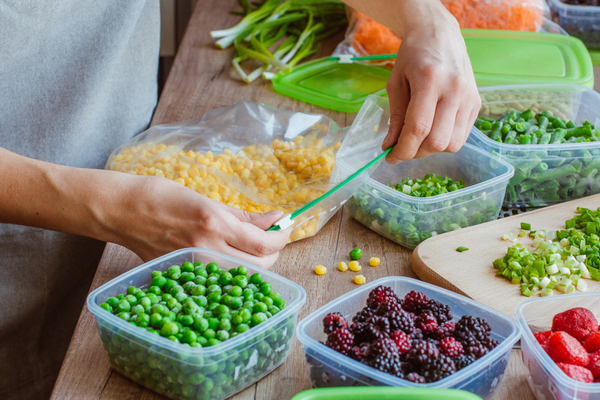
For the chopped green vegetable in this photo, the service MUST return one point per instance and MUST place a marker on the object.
(462, 248)
(525, 226)
(430, 185)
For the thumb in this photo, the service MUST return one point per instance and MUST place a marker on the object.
(262, 221)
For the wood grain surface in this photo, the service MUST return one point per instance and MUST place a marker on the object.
(470, 273)
(202, 79)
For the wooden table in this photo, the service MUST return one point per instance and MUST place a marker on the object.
(202, 79)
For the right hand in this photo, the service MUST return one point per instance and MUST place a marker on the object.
(155, 216)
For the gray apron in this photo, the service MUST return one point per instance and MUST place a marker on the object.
(77, 79)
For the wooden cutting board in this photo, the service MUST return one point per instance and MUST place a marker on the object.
(470, 273)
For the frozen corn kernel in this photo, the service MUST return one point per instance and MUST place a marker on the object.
(374, 261)
(354, 266)
(359, 280)
(342, 266)
(320, 270)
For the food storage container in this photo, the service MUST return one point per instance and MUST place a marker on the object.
(575, 165)
(183, 372)
(328, 368)
(582, 22)
(546, 380)
(384, 392)
(409, 220)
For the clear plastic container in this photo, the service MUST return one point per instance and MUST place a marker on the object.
(583, 22)
(546, 380)
(570, 102)
(170, 368)
(328, 368)
(409, 220)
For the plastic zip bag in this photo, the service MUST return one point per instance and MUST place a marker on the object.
(247, 155)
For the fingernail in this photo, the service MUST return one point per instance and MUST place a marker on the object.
(385, 144)
(393, 161)
(271, 213)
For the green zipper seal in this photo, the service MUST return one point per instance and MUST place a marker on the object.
(367, 58)
(313, 203)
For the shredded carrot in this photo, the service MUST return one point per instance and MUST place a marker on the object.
(368, 37)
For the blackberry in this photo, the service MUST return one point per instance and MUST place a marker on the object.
(414, 377)
(463, 360)
(390, 363)
(377, 327)
(363, 315)
(443, 331)
(380, 295)
(421, 352)
(402, 340)
(415, 301)
(417, 334)
(361, 352)
(333, 321)
(386, 307)
(435, 369)
(382, 346)
(451, 347)
(440, 311)
(401, 320)
(426, 322)
(476, 350)
(359, 330)
(470, 328)
(340, 340)
(490, 343)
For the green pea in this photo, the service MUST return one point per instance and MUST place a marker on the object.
(200, 280)
(241, 328)
(200, 324)
(124, 315)
(258, 318)
(123, 305)
(196, 378)
(221, 309)
(173, 338)
(274, 310)
(187, 277)
(137, 309)
(252, 287)
(236, 291)
(198, 264)
(226, 316)
(241, 281)
(155, 320)
(248, 304)
(248, 294)
(171, 315)
(212, 267)
(277, 300)
(180, 297)
(153, 298)
(112, 301)
(106, 307)
(143, 320)
(237, 319)
(169, 329)
(139, 295)
(198, 290)
(166, 296)
(169, 285)
(214, 289)
(145, 302)
(174, 272)
(241, 270)
(159, 281)
(222, 335)
(226, 299)
(187, 267)
(260, 308)
(132, 290)
(268, 314)
(189, 337)
(207, 385)
(200, 300)
(227, 288)
(155, 274)
(246, 315)
(188, 286)
(209, 333)
(155, 290)
(356, 254)
(212, 342)
(236, 302)
(131, 299)
(213, 323)
(120, 296)
(201, 340)
(224, 324)
(214, 298)
(267, 300)
(212, 306)
(212, 280)
(176, 289)
(225, 279)
(190, 307)
(258, 296)
(172, 303)
(158, 309)
(256, 278)
(186, 320)
(265, 288)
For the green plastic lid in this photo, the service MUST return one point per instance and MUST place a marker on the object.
(384, 393)
(510, 57)
(498, 58)
(595, 55)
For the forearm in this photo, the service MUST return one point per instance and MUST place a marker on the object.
(402, 16)
(56, 197)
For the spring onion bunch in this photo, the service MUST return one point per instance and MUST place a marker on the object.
(279, 34)
(559, 260)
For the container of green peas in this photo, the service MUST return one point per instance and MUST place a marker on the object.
(197, 324)
(549, 133)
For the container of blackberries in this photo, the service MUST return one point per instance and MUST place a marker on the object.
(399, 331)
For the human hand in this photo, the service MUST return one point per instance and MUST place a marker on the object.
(154, 216)
(432, 91)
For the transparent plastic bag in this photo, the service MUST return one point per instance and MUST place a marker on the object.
(247, 155)
(365, 37)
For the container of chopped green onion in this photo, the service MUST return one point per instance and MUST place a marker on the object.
(416, 199)
(549, 133)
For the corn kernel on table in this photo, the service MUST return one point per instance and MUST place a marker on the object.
(202, 79)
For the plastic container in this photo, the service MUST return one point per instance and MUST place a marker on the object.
(383, 393)
(409, 220)
(582, 22)
(328, 368)
(570, 102)
(546, 380)
(165, 366)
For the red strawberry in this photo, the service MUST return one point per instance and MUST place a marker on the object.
(578, 322)
(542, 337)
(564, 348)
(594, 364)
(592, 342)
(576, 372)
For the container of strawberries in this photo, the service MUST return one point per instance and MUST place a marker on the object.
(561, 345)
(399, 331)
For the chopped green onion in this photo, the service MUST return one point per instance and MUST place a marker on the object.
(462, 248)
(525, 226)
